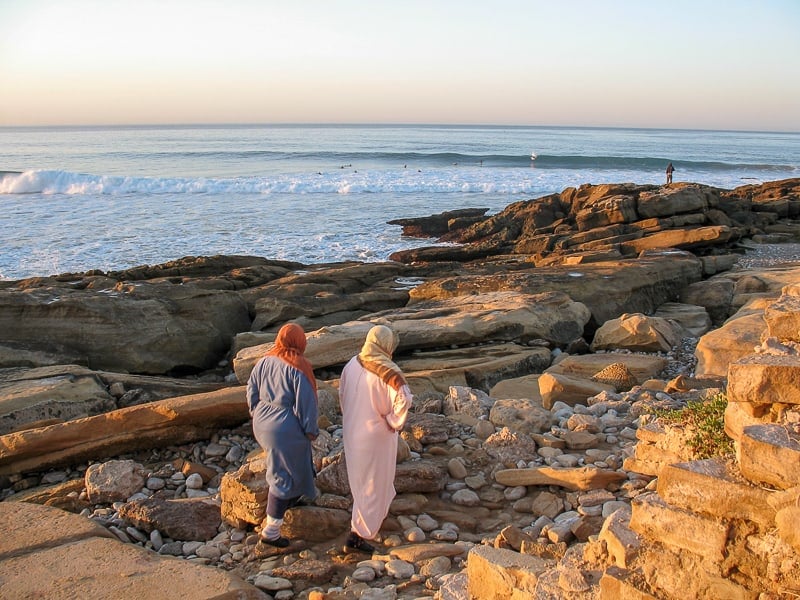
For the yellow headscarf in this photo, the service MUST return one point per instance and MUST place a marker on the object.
(376, 356)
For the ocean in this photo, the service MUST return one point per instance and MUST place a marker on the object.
(109, 198)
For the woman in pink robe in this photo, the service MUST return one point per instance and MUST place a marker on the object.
(374, 399)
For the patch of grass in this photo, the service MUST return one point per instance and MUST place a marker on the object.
(706, 420)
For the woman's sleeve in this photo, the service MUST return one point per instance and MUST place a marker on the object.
(306, 402)
(252, 392)
(401, 403)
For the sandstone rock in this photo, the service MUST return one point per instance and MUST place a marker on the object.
(622, 543)
(182, 519)
(436, 225)
(693, 319)
(178, 327)
(765, 379)
(714, 487)
(328, 294)
(614, 209)
(464, 320)
(615, 584)
(497, 573)
(65, 495)
(113, 480)
(715, 295)
(608, 289)
(770, 454)
(305, 569)
(788, 522)
(739, 415)
(27, 396)
(429, 428)
(580, 478)
(171, 421)
(669, 200)
(683, 239)
(526, 387)
(243, 495)
(508, 446)
(476, 367)
(642, 366)
(655, 520)
(420, 476)
(522, 415)
(638, 333)
(556, 387)
(718, 348)
(315, 523)
(88, 561)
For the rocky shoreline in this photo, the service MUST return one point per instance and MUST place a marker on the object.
(538, 349)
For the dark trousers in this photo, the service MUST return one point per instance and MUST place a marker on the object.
(276, 507)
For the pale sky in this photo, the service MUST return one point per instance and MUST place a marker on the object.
(705, 64)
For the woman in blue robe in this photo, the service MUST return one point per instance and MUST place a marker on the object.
(282, 398)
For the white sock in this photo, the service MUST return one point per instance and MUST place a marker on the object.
(273, 529)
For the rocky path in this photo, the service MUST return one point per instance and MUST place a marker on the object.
(426, 538)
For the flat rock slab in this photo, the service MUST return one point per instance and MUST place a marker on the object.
(577, 479)
(501, 573)
(583, 366)
(418, 552)
(50, 554)
(655, 520)
(171, 421)
(770, 454)
(715, 487)
(30, 527)
(765, 379)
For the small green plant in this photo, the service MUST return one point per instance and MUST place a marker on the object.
(706, 419)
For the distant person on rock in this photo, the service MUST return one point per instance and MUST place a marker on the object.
(375, 400)
(282, 399)
(670, 169)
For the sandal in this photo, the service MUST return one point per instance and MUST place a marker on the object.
(278, 542)
(358, 544)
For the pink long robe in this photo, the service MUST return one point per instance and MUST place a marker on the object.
(372, 414)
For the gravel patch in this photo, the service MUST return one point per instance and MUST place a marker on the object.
(769, 255)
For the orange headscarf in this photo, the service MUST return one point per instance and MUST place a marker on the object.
(290, 344)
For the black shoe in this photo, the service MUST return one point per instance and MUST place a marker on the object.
(278, 542)
(355, 543)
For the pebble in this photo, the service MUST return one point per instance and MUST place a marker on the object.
(364, 573)
(466, 498)
(415, 534)
(399, 569)
(194, 482)
(271, 584)
(427, 523)
(456, 468)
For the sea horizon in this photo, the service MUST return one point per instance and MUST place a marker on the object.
(385, 124)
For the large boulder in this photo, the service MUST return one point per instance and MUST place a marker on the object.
(36, 395)
(153, 328)
(718, 348)
(638, 333)
(676, 199)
